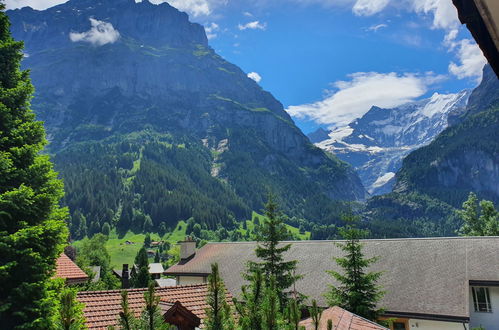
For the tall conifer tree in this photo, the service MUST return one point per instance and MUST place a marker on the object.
(32, 227)
(218, 314)
(272, 231)
(358, 291)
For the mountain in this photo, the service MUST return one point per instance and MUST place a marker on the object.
(149, 126)
(464, 157)
(377, 143)
(318, 135)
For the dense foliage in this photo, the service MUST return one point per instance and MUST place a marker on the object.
(479, 219)
(32, 227)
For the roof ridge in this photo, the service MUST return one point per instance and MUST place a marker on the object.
(82, 293)
(370, 240)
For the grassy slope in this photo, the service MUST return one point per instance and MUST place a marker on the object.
(122, 253)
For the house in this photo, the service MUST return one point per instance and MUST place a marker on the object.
(341, 319)
(68, 270)
(482, 19)
(164, 282)
(155, 270)
(183, 306)
(430, 283)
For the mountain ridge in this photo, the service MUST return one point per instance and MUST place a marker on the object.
(145, 134)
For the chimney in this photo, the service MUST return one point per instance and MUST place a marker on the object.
(125, 277)
(187, 248)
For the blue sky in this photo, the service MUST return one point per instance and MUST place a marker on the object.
(329, 61)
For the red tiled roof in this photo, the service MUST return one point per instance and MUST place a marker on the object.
(67, 269)
(102, 308)
(342, 320)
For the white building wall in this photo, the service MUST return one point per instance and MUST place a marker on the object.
(190, 280)
(435, 325)
(490, 321)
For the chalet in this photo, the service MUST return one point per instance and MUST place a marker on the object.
(68, 270)
(182, 306)
(430, 283)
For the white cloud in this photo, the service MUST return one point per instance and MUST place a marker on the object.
(211, 30)
(471, 61)
(255, 25)
(353, 98)
(443, 11)
(369, 7)
(375, 28)
(35, 4)
(248, 14)
(255, 76)
(100, 33)
(193, 7)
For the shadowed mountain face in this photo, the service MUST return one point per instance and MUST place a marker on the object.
(464, 157)
(146, 121)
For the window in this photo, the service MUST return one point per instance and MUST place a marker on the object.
(481, 299)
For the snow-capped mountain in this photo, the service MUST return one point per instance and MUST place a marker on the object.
(376, 143)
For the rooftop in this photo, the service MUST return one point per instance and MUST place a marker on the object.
(342, 319)
(102, 308)
(427, 276)
(67, 269)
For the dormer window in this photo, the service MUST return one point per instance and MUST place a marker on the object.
(481, 299)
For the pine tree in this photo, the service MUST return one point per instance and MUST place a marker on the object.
(315, 314)
(293, 314)
(358, 291)
(151, 316)
(218, 314)
(127, 320)
(273, 265)
(271, 315)
(70, 310)
(32, 224)
(140, 273)
(250, 313)
(147, 240)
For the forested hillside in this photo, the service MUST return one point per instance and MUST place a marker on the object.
(149, 126)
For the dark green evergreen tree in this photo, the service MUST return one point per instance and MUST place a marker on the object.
(32, 224)
(147, 240)
(106, 229)
(271, 315)
(157, 257)
(272, 231)
(140, 274)
(218, 315)
(357, 291)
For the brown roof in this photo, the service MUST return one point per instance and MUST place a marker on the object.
(342, 320)
(67, 269)
(421, 276)
(102, 308)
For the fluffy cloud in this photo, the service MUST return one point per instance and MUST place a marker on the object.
(35, 4)
(100, 33)
(443, 11)
(255, 25)
(211, 30)
(471, 61)
(369, 7)
(255, 76)
(353, 98)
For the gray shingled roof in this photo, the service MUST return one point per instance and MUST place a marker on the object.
(427, 276)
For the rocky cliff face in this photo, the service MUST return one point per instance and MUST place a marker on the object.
(376, 143)
(112, 71)
(464, 157)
